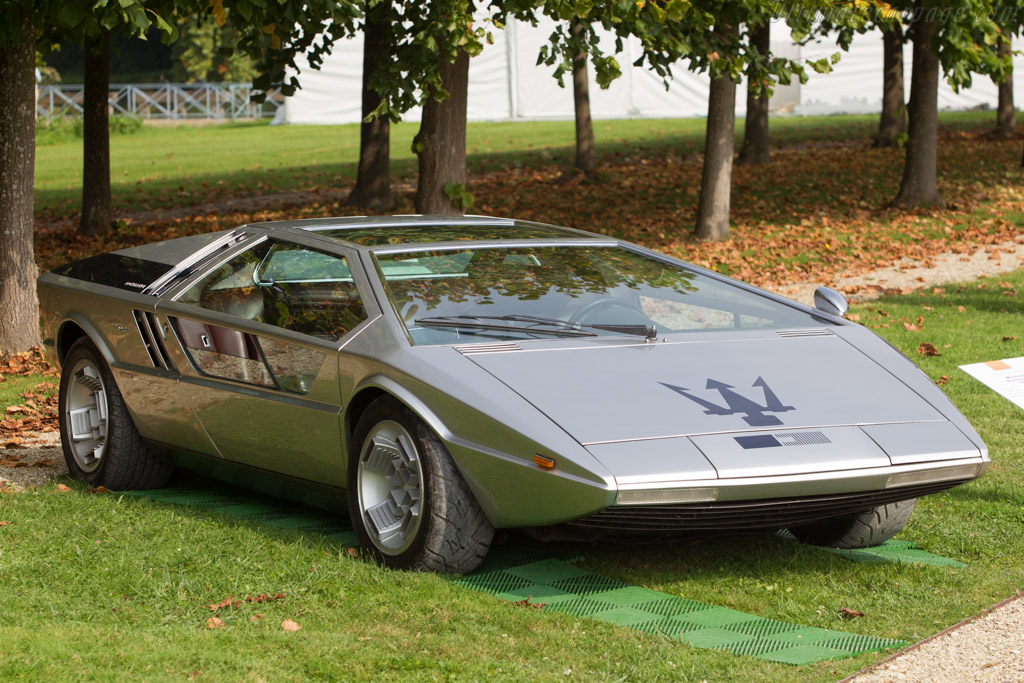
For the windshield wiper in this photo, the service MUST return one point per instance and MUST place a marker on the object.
(465, 322)
(564, 326)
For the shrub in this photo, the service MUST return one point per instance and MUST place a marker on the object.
(57, 130)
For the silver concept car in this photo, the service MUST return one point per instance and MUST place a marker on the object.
(446, 376)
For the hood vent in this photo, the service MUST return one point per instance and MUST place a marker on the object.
(813, 332)
(469, 350)
(153, 339)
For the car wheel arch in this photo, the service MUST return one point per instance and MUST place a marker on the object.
(380, 386)
(73, 328)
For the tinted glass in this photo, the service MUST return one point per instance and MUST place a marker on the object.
(285, 285)
(586, 285)
(443, 233)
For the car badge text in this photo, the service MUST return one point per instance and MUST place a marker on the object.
(754, 414)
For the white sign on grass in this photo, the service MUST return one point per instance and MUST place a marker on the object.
(1005, 377)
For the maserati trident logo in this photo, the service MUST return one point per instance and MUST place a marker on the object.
(754, 414)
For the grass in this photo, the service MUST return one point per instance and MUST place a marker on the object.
(109, 587)
(14, 385)
(173, 165)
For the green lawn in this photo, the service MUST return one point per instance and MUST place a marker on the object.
(177, 165)
(109, 587)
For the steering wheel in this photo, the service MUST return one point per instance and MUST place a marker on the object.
(600, 305)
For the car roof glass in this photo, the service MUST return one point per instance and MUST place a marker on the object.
(414, 234)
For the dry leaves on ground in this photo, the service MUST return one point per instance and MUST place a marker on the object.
(290, 626)
(31, 362)
(37, 414)
(814, 212)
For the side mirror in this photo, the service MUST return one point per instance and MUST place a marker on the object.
(830, 301)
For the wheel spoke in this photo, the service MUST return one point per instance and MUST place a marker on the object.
(381, 459)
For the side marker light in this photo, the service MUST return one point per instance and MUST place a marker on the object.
(543, 463)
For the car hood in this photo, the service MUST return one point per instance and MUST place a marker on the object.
(604, 392)
(708, 407)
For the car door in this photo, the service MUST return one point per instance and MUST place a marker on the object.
(259, 336)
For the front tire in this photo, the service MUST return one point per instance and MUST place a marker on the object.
(409, 506)
(99, 439)
(862, 530)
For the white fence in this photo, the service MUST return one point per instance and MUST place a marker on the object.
(173, 101)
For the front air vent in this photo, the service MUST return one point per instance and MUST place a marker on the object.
(470, 349)
(813, 332)
(153, 339)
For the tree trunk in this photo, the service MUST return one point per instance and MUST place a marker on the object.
(441, 143)
(919, 185)
(1006, 114)
(716, 180)
(585, 160)
(373, 178)
(19, 309)
(756, 148)
(97, 215)
(893, 120)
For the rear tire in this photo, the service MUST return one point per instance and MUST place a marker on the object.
(409, 506)
(863, 530)
(99, 439)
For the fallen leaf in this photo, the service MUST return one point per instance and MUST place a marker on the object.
(63, 488)
(942, 380)
(352, 552)
(4, 523)
(1006, 338)
(854, 317)
(214, 622)
(226, 602)
(256, 617)
(98, 489)
(960, 309)
(525, 602)
(43, 463)
(926, 349)
(290, 626)
(847, 613)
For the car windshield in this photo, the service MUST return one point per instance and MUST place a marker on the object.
(516, 293)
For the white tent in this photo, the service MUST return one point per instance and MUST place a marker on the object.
(505, 83)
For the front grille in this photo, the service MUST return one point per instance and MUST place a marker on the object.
(743, 516)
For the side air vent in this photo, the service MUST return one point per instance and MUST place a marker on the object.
(813, 332)
(153, 339)
(469, 350)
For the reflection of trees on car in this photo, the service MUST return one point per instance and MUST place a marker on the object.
(524, 274)
(284, 285)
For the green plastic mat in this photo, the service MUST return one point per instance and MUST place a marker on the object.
(904, 552)
(896, 551)
(528, 572)
(562, 587)
(256, 508)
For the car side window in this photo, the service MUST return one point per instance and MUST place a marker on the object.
(285, 285)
